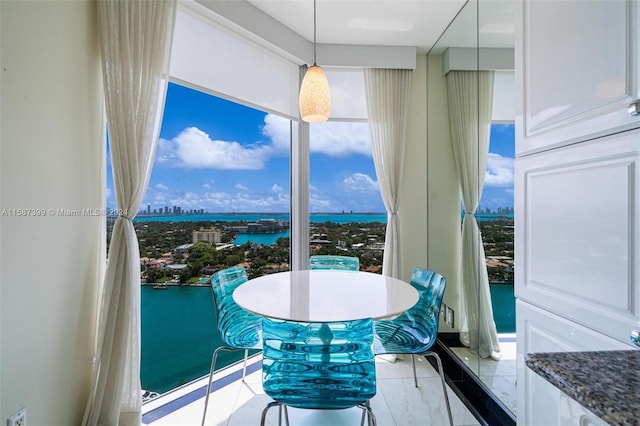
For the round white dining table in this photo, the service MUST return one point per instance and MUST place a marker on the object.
(325, 296)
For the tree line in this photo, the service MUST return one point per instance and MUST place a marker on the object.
(161, 239)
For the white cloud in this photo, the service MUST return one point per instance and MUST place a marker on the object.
(320, 201)
(243, 201)
(197, 150)
(165, 152)
(187, 201)
(221, 201)
(340, 139)
(240, 187)
(359, 182)
(159, 199)
(194, 149)
(274, 199)
(317, 204)
(277, 130)
(499, 170)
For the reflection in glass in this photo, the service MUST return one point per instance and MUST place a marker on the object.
(481, 40)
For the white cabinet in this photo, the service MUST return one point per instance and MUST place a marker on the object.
(577, 70)
(577, 197)
(574, 414)
(539, 402)
(578, 232)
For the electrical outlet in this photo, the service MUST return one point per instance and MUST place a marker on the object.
(19, 418)
(449, 316)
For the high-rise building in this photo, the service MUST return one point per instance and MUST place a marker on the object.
(211, 235)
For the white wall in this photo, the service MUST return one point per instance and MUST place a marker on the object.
(412, 209)
(51, 158)
(444, 190)
(430, 198)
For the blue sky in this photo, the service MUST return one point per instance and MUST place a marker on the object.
(220, 156)
(498, 182)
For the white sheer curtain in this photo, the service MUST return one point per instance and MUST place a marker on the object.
(470, 103)
(388, 92)
(135, 39)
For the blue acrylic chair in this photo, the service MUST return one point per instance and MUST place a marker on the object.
(238, 328)
(415, 331)
(341, 263)
(319, 365)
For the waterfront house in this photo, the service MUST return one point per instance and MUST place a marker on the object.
(576, 72)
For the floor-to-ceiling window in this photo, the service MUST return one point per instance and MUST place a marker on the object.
(347, 215)
(497, 227)
(495, 217)
(218, 196)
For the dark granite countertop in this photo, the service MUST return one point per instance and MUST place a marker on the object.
(607, 382)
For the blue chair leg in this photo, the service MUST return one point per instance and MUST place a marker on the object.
(444, 386)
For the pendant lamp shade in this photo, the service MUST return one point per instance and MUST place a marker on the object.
(315, 96)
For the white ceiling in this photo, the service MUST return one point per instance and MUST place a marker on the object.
(416, 23)
(343, 26)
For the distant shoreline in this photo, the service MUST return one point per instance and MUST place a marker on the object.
(313, 217)
(143, 214)
(174, 284)
(254, 217)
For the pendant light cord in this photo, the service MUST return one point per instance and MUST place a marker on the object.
(314, 32)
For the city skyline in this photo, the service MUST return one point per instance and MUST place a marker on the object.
(178, 211)
(219, 156)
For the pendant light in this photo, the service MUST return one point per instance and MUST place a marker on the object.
(315, 97)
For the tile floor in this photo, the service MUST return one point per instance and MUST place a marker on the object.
(235, 403)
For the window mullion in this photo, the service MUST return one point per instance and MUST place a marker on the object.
(299, 243)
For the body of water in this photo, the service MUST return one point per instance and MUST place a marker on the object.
(179, 334)
(254, 217)
(503, 303)
(178, 337)
(178, 323)
(262, 239)
(313, 217)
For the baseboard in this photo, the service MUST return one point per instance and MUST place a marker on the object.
(482, 403)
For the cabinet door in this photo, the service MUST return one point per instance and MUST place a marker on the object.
(574, 414)
(577, 68)
(541, 331)
(577, 227)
